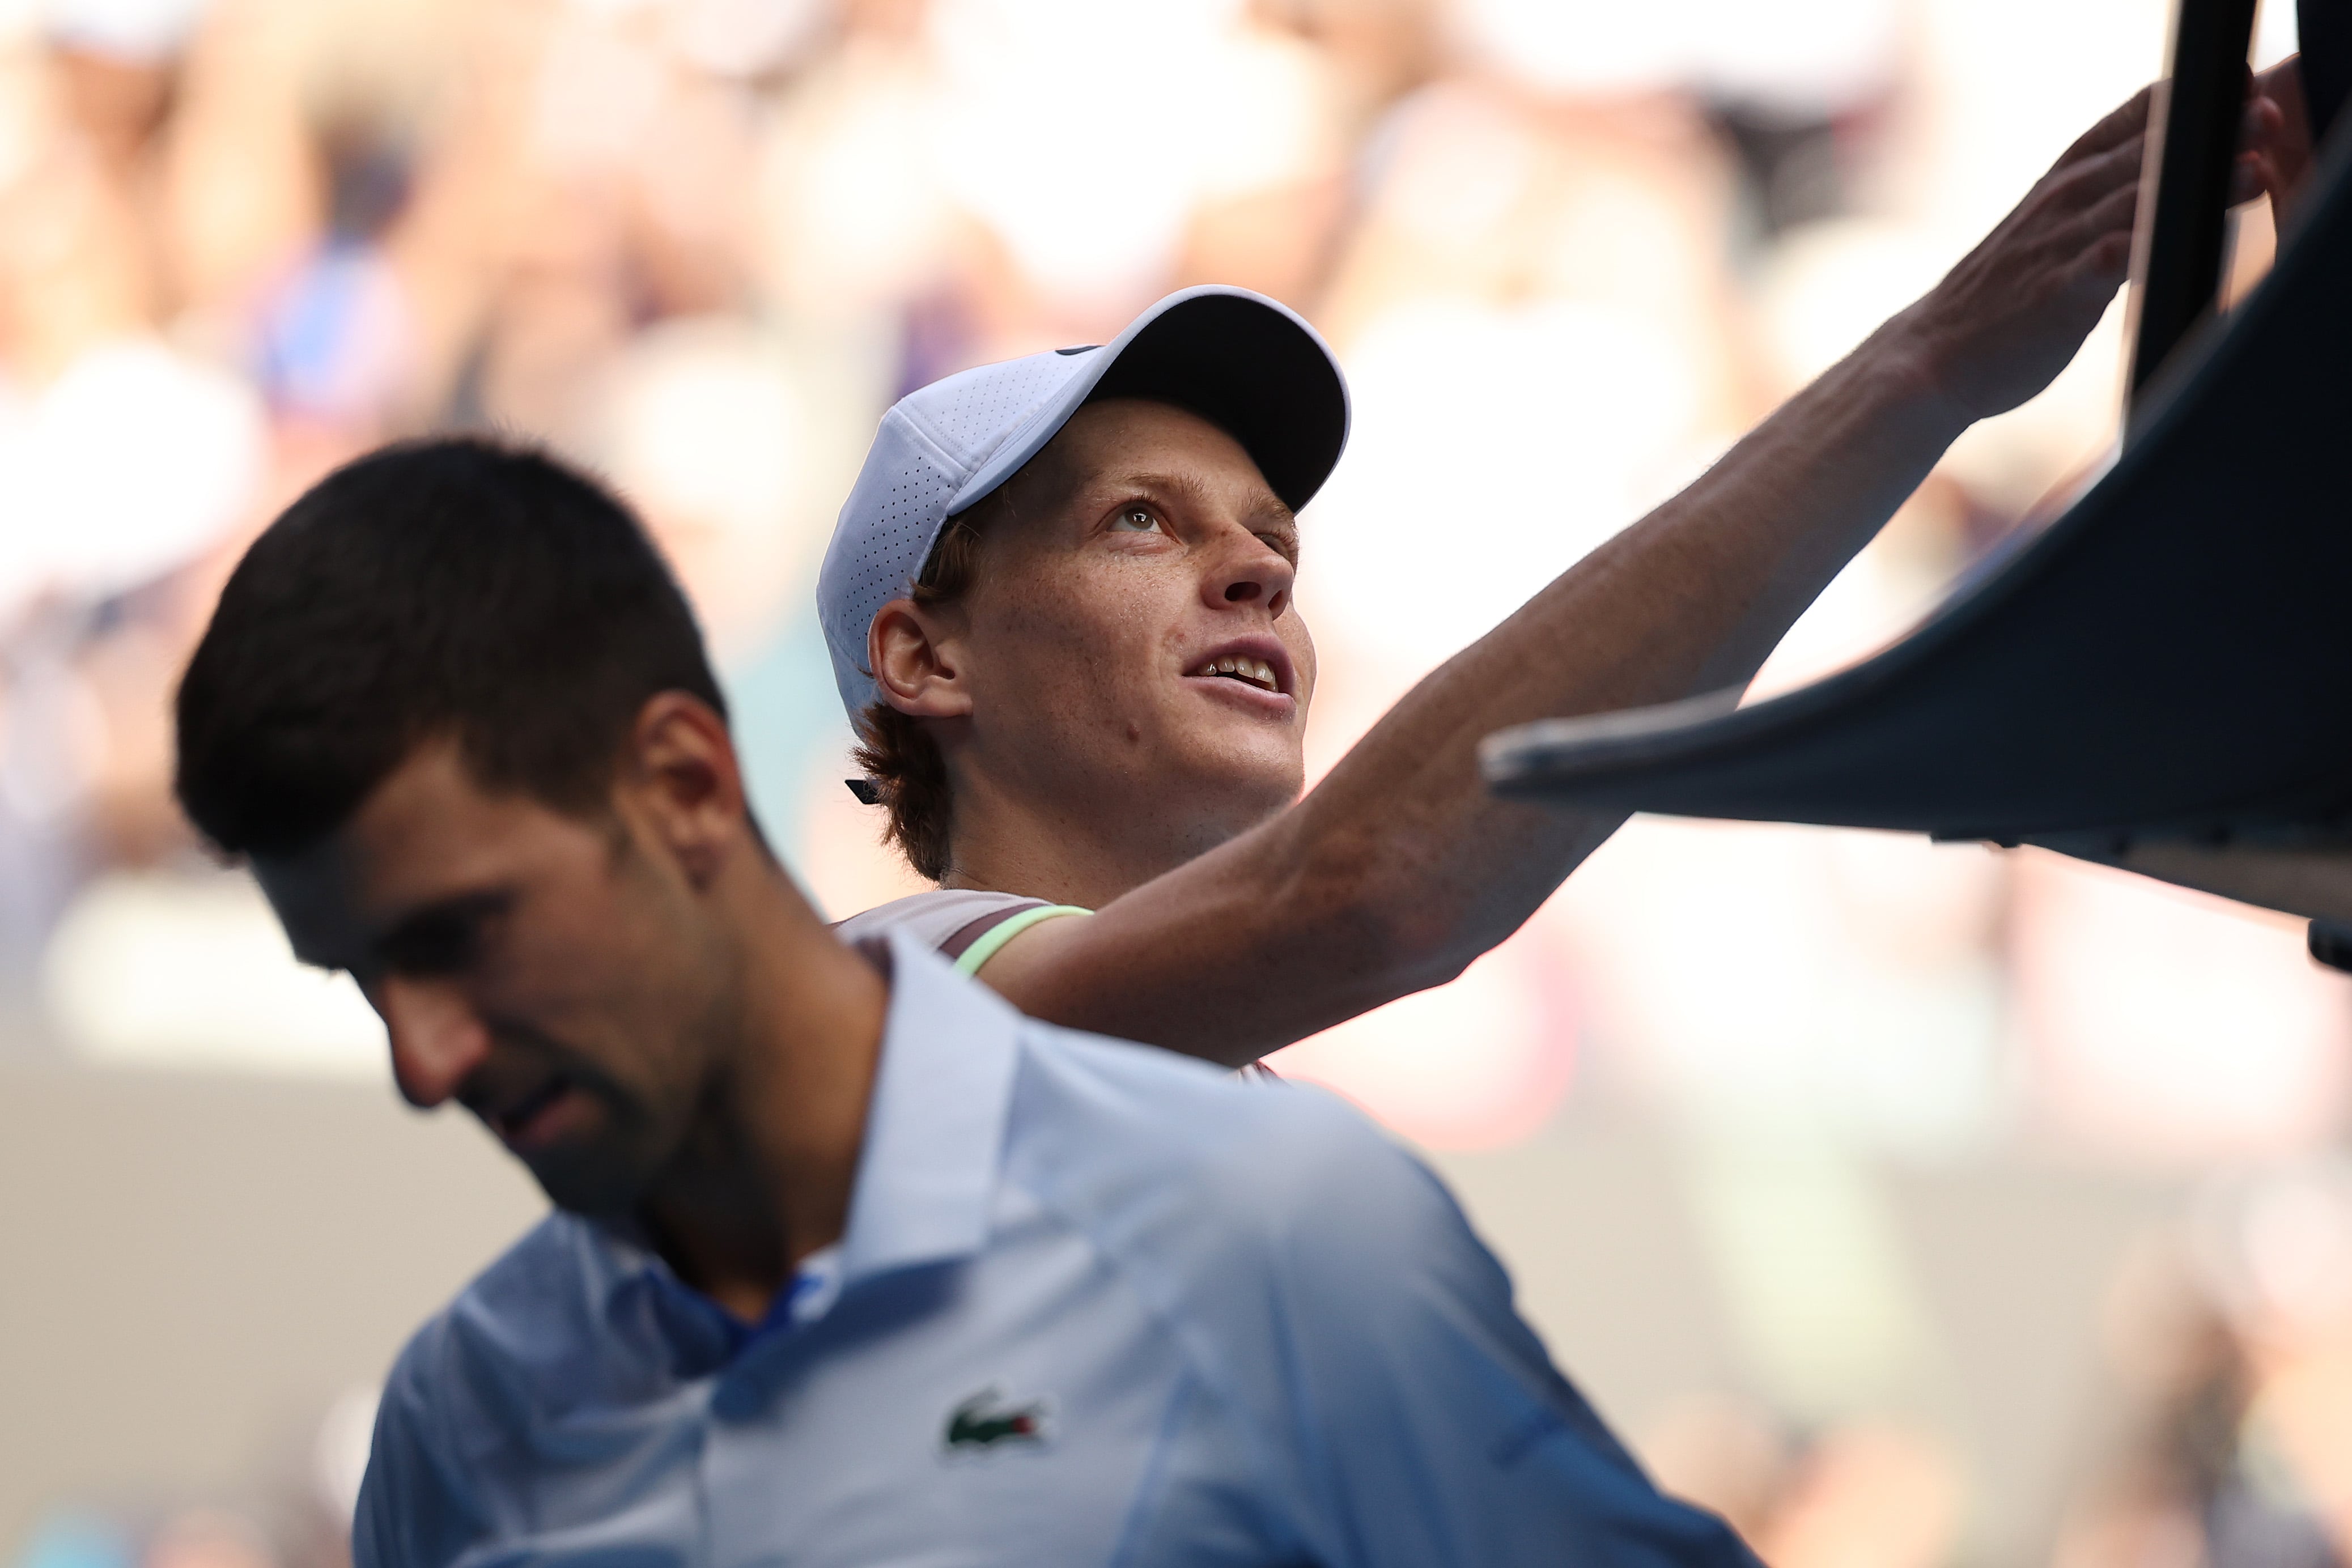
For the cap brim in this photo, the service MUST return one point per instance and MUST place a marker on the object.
(1245, 363)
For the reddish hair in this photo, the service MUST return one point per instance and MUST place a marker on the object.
(900, 758)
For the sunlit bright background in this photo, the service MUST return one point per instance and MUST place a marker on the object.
(1913, 1206)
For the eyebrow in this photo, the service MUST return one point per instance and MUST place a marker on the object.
(417, 925)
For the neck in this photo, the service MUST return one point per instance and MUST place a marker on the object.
(1064, 852)
(764, 1175)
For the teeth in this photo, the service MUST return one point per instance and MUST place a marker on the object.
(1257, 672)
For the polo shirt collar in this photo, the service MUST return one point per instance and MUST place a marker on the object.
(925, 1171)
(935, 1125)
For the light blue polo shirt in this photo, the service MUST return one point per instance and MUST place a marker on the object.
(1095, 1303)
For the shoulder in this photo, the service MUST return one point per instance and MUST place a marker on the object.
(415, 1495)
(514, 1311)
(1291, 1247)
(469, 1378)
(1249, 1176)
(932, 918)
(533, 1314)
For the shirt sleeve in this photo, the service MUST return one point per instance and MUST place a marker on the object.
(1432, 1426)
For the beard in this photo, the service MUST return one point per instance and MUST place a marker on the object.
(605, 1173)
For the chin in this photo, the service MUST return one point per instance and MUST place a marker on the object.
(1235, 794)
(596, 1183)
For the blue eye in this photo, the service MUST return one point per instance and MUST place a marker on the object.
(1136, 520)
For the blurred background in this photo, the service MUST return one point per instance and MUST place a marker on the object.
(1914, 1206)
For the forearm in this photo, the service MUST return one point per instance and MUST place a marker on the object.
(1694, 596)
(1691, 599)
(1399, 867)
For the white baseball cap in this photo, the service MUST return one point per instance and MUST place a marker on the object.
(1243, 362)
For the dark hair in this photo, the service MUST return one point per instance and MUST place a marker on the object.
(900, 758)
(448, 587)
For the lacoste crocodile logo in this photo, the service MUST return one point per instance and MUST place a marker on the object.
(986, 1421)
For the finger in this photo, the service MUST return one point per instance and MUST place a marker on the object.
(2091, 181)
(2114, 215)
(2274, 178)
(2250, 176)
(2286, 118)
(2261, 122)
(2109, 262)
(2101, 240)
(2282, 83)
(2126, 121)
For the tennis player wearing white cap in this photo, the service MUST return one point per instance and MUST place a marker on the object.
(1058, 602)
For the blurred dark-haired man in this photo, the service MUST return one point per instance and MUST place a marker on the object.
(852, 1264)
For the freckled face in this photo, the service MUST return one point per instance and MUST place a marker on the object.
(1130, 642)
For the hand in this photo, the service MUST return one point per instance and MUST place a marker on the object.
(2005, 321)
(2277, 156)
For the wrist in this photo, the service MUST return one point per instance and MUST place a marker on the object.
(1912, 370)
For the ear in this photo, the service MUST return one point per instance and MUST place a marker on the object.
(681, 775)
(917, 661)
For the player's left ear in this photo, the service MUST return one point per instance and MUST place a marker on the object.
(681, 777)
(915, 661)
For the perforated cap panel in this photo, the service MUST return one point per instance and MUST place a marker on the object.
(1235, 357)
(929, 443)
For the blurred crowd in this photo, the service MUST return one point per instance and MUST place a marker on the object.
(1566, 251)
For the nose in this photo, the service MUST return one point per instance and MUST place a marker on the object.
(437, 1040)
(1250, 571)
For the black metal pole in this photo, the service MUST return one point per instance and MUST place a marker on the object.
(2324, 30)
(2180, 243)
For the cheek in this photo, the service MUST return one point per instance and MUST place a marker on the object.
(1302, 656)
(1066, 644)
(603, 970)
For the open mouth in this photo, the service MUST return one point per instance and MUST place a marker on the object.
(1249, 672)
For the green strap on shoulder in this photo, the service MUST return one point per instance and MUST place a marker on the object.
(981, 951)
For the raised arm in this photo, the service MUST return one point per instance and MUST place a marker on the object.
(1399, 868)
